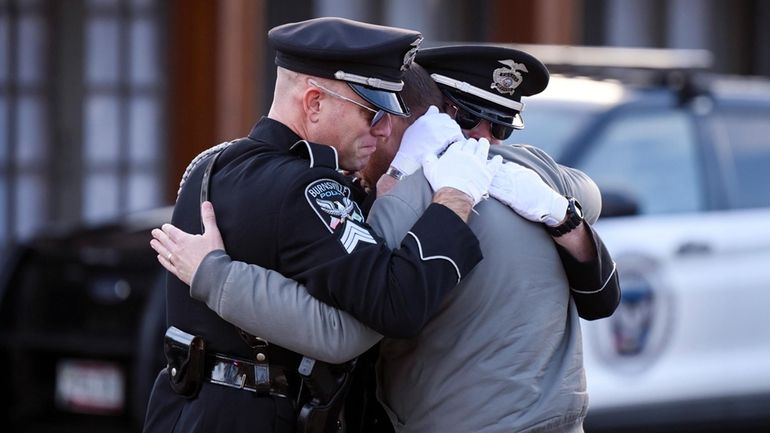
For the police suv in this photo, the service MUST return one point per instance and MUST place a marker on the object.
(683, 161)
(79, 310)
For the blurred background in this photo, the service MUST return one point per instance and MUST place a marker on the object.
(104, 102)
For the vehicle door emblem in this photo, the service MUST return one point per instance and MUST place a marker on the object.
(636, 335)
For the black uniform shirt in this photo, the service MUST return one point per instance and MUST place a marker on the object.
(282, 203)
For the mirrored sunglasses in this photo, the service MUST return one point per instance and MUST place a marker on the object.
(469, 120)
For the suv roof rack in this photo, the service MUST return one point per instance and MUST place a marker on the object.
(681, 70)
(659, 59)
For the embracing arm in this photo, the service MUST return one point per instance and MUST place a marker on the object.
(257, 300)
(345, 263)
(591, 272)
(265, 303)
(593, 283)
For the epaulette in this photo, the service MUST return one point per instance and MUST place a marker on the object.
(197, 160)
(319, 155)
(203, 155)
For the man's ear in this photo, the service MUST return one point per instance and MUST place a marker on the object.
(449, 108)
(311, 103)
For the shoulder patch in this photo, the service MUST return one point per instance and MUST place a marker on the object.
(331, 202)
(319, 155)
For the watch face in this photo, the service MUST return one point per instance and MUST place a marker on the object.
(578, 209)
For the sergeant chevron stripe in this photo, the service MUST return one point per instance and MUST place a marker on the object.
(353, 234)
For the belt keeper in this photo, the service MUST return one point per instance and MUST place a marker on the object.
(262, 373)
(262, 378)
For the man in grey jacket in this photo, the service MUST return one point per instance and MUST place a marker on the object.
(504, 351)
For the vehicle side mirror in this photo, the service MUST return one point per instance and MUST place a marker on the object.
(616, 203)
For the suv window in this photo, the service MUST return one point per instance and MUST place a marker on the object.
(748, 132)
(551, 125)
(651, 156)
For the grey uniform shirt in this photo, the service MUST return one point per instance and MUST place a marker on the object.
(503, 353)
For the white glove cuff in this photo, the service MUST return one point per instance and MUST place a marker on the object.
(557, 212)
(405, 164)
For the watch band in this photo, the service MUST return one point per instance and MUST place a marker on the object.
(395, 173)
(573, 219)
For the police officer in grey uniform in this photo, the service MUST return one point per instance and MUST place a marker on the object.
(277, 189)
(483, 89)
(503, 353)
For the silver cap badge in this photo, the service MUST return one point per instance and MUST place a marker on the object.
(409, 56)
(506, 80)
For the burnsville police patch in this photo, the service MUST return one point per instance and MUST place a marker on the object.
(331, 202)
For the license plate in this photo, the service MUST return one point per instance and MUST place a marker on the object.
(92, 387)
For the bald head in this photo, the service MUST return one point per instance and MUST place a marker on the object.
(296, 102)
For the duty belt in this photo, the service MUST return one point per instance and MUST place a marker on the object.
(262, 378)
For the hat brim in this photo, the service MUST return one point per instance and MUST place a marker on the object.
(388, 101)
(488, 111)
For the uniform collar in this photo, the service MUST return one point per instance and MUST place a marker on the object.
(273, 133)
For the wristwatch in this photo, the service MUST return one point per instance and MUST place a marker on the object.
(395, 173)
(573, 219)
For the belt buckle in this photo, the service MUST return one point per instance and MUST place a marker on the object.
(229, 372)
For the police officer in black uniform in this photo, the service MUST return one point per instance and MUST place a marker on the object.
(284, 202)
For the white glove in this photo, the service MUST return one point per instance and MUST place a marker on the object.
(528, 195)
(428, 135)
(464, 167)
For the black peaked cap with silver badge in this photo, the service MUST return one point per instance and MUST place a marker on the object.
(491, 76)
(370, 58)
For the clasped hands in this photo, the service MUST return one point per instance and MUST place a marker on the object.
(465, 167)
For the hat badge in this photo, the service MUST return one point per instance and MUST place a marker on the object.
(410, 55)
(506, 80)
